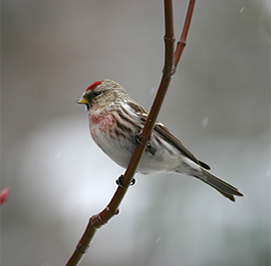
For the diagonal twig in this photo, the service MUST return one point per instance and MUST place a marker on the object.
(182, 42)
(170, 64)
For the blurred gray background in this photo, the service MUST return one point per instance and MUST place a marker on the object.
(218, 105)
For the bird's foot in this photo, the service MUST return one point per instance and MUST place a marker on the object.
(138, 138)
(120, 180)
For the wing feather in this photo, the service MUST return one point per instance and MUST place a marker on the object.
(164, 133)
(168, 136)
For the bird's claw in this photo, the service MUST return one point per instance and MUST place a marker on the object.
(120, 179)
(137, 137)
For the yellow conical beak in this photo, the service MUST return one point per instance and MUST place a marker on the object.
(82, 101)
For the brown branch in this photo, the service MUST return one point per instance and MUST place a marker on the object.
(170, 64)
(182, 42)
(169, 39)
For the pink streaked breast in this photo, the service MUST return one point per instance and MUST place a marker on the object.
(101, 122)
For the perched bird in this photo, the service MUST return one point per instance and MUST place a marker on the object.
(115, 120)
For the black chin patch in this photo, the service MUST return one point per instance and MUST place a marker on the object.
(88, 105)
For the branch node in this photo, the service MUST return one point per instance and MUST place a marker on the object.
(168, 73)
(109, 210)
(97, 221)
(170, 39)
(81, 248)
(182, 43)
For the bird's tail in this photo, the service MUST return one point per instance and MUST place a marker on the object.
(221, 186)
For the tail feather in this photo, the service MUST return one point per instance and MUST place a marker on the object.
(221, 186)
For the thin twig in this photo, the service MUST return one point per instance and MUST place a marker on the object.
(170, 64)
(182, 42)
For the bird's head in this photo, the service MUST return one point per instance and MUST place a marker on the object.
(103, 94)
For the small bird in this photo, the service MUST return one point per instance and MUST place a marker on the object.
(115, 121)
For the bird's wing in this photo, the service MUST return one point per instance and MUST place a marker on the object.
(168, 136)
(139, 110)
(164, 133)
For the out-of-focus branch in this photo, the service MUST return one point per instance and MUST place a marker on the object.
(170, 64)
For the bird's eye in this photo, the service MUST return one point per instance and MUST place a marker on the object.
(96, 93)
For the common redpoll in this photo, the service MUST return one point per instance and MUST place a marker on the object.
(115, 120)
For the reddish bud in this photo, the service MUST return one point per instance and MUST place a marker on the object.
(4, 195)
